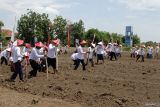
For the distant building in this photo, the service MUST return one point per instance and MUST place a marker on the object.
(7, 33)
(129, 36)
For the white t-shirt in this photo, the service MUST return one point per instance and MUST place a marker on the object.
(157, 49)
(80, 52)
(100, 49)
(5, 54)
(141, 51)
(150, 50)
(35, 55)
(52, 51)
(113, 48)
(90, 50)
(74, 56)
(16, 54)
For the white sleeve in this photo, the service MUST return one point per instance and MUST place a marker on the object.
(36, 54)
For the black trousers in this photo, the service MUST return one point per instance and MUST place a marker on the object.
(78, 62)
(3, 59)
(133, 55)
(142, 56)
(113, 54)
(18, 70)
(51, 62)
(35, 67)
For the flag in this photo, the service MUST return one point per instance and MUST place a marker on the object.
(68, 38)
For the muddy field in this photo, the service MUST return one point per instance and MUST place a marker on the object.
(122, 83)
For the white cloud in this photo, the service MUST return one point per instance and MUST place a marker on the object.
(150, 5)
(20, 6)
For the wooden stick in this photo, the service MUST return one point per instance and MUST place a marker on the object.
(56, 59)
(46, 67)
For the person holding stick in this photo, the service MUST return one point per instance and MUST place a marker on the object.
(90, 53)
(17, 58)
(5, 56)
(35, 59)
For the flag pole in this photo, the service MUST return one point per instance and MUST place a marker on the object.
(14, 28)
(68, 37)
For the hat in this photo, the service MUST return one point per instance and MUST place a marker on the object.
(56, 42)
(100, 43)
(94, 45)
(110, 43)
(8, 49)
(83, 42)
(39, 44)
(27, 45)
(19, 42)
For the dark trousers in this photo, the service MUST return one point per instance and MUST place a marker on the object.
(35, 67)
(51, 62)
(78, 62)
(138, 56)
(118, 54)
(92, 62)
(18, 70)
(133, 55)
(74, 62)
(3, 59)
(113, 54)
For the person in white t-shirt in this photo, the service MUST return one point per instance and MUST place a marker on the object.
(156, 51)
(74, 57)
(34, 59)
(51, 56)
(90, 54)
(5, 56)
(150, 52)
(141, 53)
(100, 52)
(17, 58)
(113, 51)
(80, 55)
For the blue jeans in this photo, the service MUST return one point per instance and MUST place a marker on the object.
(18, 70)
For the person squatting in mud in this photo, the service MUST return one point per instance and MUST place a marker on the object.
(5, 55)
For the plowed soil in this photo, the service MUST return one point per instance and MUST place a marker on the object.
(121, 83)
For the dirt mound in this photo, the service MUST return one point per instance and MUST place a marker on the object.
(10, 98)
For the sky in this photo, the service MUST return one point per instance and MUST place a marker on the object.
(106, 15)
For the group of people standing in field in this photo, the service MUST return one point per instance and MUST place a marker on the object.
(37, 57)
(41, 56)
(139, 52)
(99, 50)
